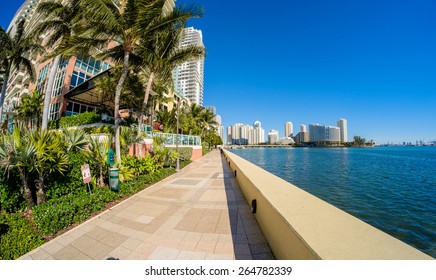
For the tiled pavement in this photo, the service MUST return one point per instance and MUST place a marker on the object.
(196, 214)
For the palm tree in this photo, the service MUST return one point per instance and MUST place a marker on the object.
(13, 51)
(75, 139)
(162, 53)
(50, 157)
(29, 110)
(60, 22)
(16, 152)
(115, 31)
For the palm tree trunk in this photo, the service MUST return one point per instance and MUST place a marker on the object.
(27, 192)
(40, 192)
(144, 104)
(2, 96)
(117, 105)
(48, 92)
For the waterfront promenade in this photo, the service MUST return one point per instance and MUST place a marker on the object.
(198, 213)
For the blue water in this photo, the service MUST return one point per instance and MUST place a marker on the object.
(391, 188)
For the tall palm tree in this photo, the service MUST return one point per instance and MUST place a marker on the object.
(162, 53)
(115, 31)
(13, 53)
(61, 20)
(29, 111)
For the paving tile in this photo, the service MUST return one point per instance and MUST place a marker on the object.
(120, 253)
(259, 248)
(70, 253)
(131, 244)
(189, 255)
(164, 253)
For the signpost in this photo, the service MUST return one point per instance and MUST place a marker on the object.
(86, 174)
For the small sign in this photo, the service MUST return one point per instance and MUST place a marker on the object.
(111, 157)
(86, 173)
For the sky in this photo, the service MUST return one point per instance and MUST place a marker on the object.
(371, 62)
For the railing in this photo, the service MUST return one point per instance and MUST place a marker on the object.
(184, 140)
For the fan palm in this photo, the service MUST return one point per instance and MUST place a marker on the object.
(13, 53)
(16, 152)
(61, 20)
(75, 139)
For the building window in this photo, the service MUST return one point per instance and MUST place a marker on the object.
(74, 108)
(91, 65)
(78, 78)
(58, 84)
(54, 111)
(42, 76)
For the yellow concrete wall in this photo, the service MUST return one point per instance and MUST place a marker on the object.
(298, 225)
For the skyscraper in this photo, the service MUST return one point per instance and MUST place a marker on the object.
(322, 133)
(303, 128)
(289, 129)
(188, 77)
(273, 136)
(342, 124)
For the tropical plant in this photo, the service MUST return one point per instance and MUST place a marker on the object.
(75, 139)
(13, 53)
(128, 137)
(29, 110)
(17, 152)
(50, 157)
(98, 151)
(61, 20)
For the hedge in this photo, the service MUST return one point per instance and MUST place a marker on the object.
(80, 119)
(17, 236)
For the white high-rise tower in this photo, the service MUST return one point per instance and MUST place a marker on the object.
(188, 77)
(289, 129)
(342, 124)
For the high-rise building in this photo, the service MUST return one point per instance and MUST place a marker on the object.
(243, 134)
(342, 124)
(322, 133)
(189, 77)
(273, 136)
(259, 133)
(289, 129)
(303, 128)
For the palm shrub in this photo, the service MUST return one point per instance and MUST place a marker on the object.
(50, 157)
(75, 139)
(97, 154)
(17, 153)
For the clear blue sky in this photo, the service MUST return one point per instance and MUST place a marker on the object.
(372, 62)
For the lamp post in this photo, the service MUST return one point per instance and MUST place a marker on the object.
(177, 133)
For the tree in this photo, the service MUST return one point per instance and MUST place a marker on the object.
(29, 111)
(61, 20)
(115, 31)
(13, 53)
(161, 53)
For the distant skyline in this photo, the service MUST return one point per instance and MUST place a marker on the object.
(370, 62)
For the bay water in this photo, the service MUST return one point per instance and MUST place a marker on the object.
(391, 188)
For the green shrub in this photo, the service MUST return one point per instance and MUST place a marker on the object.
(16, 237)
(11, 199)
(141, 166)
(80, 119)
(72, 182)
(185, 153)
(104, 129)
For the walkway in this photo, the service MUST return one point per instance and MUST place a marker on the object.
(196, 214)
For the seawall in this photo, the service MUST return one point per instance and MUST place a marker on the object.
(298, 225)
